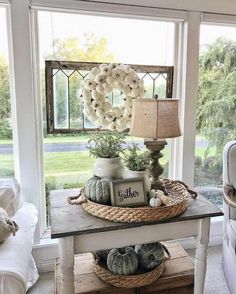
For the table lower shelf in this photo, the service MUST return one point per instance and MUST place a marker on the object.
(178, 277)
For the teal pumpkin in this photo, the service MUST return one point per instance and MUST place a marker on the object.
(98, 190)
(102, 255)
(123, 261)
(150, 255)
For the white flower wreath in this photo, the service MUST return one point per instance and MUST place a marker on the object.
(102, 80)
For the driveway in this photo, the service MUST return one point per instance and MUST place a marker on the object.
(69, 147)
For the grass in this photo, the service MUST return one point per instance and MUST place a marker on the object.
(68, 163)
(69, 168)
(6, 165)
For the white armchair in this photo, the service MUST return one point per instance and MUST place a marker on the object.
(229, 239)
(17, 268)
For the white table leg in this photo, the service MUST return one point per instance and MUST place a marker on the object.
(201, 255)
(66, 247)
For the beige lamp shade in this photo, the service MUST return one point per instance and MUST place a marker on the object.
(155, 118)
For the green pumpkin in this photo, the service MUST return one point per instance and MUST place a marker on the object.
(150, 255)
(98, 190)
(123, 261)
(102, 255)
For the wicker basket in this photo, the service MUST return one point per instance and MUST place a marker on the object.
(178, 193)
(131, 281)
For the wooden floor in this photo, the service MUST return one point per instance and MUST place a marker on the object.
(178, 275)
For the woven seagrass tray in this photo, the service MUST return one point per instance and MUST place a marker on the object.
(178, 194)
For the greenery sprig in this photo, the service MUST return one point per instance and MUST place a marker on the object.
(106, 145)
(135, 159)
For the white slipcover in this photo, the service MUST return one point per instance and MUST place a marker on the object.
(17, 268)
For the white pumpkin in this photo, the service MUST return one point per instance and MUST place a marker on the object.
(155, 202)
(159, 193)
(152, 193)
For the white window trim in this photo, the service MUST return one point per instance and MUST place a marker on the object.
(187, 89)
(27, 124)
(218, 19)
(211, 6)
(123, 10)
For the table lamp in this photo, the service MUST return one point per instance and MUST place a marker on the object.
(155, 120)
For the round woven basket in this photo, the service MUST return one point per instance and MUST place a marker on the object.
(178, 194)
(131, 281)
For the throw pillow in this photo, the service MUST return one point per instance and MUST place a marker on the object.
(10, 198)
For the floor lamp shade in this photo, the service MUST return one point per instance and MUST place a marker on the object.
(155, 118)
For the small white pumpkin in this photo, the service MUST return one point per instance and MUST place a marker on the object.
(159, 193)
(155, 202)
(152, 193)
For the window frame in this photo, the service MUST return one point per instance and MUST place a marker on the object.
(27, 96)
(51, 65)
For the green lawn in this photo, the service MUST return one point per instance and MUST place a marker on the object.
(67, 163)
(69, 168)
(6, 165)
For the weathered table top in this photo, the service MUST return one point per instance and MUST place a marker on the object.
(69, 220)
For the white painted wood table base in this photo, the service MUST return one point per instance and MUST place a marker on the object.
(80, 232)
(66, 251)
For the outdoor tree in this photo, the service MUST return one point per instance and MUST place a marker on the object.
(216, 110)
(5, 105)
(89, 49)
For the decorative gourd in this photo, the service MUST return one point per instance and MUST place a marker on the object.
(155, 202)
(150, 255)
(98, 190)
(102, 255)
(160, 194)
(122, 261)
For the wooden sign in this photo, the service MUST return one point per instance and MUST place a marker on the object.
(128, 192)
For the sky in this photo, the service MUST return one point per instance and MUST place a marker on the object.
(130, 40)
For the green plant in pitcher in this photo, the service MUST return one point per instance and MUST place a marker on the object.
(106, 144)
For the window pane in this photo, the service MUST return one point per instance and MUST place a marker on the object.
(61, 107)
(216, 115)
(6, 147)
(73, 37)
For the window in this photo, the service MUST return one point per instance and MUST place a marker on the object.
(64, 36)
(6, 146)
(64, 82)
(216, 107)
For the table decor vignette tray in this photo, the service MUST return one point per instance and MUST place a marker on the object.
(178, 194)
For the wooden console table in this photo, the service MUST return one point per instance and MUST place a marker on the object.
(79, 232)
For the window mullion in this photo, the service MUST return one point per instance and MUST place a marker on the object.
(27, 146)
(188, 90)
